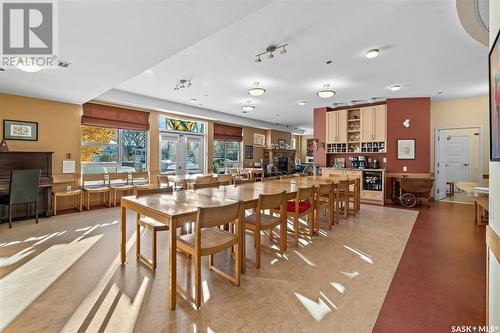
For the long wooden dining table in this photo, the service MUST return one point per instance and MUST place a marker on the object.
(180, 207)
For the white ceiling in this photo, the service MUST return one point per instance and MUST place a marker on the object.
(112, 44)
(423, 48)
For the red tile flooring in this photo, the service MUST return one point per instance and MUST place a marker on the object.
(440, 279)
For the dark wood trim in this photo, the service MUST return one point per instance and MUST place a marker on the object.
(357, 106)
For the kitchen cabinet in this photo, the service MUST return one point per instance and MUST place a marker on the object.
(373, 123)
(336, 126)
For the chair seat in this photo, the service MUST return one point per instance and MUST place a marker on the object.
(212, 240)
(266, 221)
(152, 224)
(123, 187)
(66, 193)
(96, 189)
(303, 206)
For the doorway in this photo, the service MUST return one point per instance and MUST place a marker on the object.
(181, 154)
(458, 158)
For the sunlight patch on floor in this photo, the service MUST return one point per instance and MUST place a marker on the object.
(337, 285)
(317, 310)
(362, 255)
(306, 259)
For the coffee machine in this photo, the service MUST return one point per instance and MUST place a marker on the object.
(354, 162)
(362, 162)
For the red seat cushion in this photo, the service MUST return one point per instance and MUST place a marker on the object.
(303, 206)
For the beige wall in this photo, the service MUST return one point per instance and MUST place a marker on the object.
(462, 112)
(58, 126)
(273, 137)
(258, 152)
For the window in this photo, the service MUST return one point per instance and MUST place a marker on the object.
(111, 150)
(259, 140)
(227, 154)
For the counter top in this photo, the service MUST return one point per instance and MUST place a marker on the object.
(353, 169)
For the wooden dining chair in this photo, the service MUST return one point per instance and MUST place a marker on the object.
(96, 184)
(245, 173)
(119, 183)
(343, 197)
(70, 181)
(149, 224)
(207, 240)
(302, 205)
(352, 196)
(209, 185)
(204, 180)
(235, 172)
(225, 179)
(355, 192)
(259, 220)
(141, 180)
(164, 181)
(266, 179)
(243, 181)
(325, 199)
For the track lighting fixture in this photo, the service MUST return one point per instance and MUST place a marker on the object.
(270, 52)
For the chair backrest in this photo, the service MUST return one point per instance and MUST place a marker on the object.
(198, 186)
(118, 177)
(352, 183)
(96, 178)
(305, 193)
(140, 177)
(225, 179)
(204, 179)
(243, 181)
(271, 201)
(141, 192)
(234, 171)
(325, 189)
(246, 173)
(163, 180)
(208, 217)
(343, 185)
(67, 178)
(24, 186)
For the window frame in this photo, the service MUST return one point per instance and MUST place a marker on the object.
(239, 154)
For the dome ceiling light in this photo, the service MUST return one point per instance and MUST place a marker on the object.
(326, 93)
(372, 53)
(395, 87)
(247, 108)
(301, 103)
(256, 90)
(270, 50)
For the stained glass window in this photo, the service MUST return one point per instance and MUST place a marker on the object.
(170, 124)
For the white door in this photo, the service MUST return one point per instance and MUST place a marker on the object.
(181, 154)
(440, 183)
(457, 158)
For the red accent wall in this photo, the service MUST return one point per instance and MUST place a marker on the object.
(319, 132)
(418, 110)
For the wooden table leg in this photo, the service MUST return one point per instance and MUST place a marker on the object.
(241, 231)
(476, 213)
(123, 245)
(172, 284)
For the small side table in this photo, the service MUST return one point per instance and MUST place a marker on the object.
(482, 205)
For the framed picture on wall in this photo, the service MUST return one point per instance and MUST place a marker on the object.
(248, 152)
(282, 143)
(494, 65)
(406, 149)
(20, 130)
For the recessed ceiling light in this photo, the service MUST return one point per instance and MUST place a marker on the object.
(395, 87)
(326, 93)
(302, 102)
(247, 108)
(194, 100)
(256, 90)
(372, 53)
(328, 62)
(440, 92)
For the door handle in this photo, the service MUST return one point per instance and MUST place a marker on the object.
(465, 164)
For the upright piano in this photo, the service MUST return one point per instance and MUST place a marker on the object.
(28, 160)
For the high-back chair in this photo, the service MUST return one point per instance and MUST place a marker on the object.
(70, 180)
(352, 197)
(235, 172)
(23, 189)
(302, 205)
(325, 198)
(96, 183)
(163, 180)
(149, 224)
(141, 180)
(119, 182)
(207, 240)
(343, 197)
(261, 221)
(225, 179)
(245, 173)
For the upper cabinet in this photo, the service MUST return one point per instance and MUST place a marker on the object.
(373, 123)
(336, 126)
